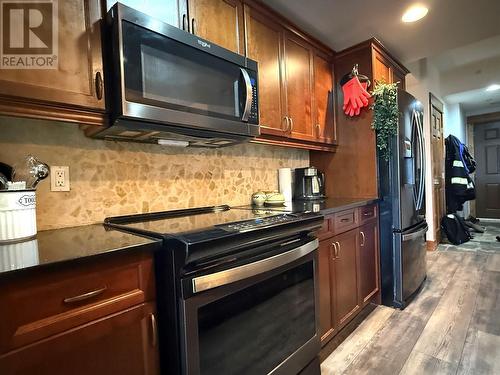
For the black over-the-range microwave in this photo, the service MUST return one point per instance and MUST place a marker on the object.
(167, 86)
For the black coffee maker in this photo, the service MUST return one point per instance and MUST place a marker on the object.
(309, 184)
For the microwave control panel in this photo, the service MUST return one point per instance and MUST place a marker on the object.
(254, 109)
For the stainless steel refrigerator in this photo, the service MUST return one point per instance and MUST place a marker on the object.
(402, 208)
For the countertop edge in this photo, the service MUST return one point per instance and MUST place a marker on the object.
(360, 203)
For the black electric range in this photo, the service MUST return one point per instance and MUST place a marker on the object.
(237, 289)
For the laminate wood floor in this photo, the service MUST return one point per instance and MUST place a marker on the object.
(452, 326)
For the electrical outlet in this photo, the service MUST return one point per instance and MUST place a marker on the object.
(59, 178)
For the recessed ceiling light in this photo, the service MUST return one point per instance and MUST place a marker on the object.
(493, 87)
(415, 13)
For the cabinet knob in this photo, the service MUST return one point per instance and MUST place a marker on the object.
(99, 85)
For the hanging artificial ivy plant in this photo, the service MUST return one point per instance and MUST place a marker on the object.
(385, 116)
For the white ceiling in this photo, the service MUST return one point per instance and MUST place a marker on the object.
(461, 38)
(342, 23)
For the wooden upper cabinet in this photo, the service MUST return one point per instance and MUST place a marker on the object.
(76, 84)
(385, 70)
(264, 45)
(324, 124)
(168, 11)
(381, 68)
(299, 68)
(123, 343)
(399, 76)
(220, 21)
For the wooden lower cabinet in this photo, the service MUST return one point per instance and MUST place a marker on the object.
(345, 277)
(348, 270)
(368, 256)
(327, 323)
(122, 343)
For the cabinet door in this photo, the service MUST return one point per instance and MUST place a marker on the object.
(76, 81)
(368, 261)
(323, 99)
(346, 275)
(398, 76)
(263, 44)
(123, 343)
(326, 296)
(220, 21)
(298, 83)
(381, 68)
(172, 12)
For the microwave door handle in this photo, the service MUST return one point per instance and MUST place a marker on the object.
(248, 98)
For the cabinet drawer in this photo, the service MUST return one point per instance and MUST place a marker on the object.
(326, 229)
(344, 221)
(44, 303)
(367, 213)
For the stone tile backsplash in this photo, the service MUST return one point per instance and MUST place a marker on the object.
(116, 178)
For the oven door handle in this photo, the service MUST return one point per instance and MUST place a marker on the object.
(232, 275)
(248, 95)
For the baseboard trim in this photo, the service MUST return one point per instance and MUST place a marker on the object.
(432, 245)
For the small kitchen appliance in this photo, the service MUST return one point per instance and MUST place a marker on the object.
(309, 184)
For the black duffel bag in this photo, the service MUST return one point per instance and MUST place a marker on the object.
(455, 229)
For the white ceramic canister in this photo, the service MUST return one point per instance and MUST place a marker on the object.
(17, 215)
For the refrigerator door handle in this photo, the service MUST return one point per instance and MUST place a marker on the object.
(422, 161)
(411, 236)
(414, 138)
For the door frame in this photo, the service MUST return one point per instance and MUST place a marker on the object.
(436, 103)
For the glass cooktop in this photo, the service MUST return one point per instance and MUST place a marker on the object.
(222, 217)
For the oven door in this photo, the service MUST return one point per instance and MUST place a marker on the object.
(171, 76)
(257, 318)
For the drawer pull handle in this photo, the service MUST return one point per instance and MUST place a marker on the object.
(344, 220)
(368, 213)
(363, 238)
(154, 330)
(85, 296)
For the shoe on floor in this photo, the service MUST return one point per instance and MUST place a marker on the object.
(476, 228)
(472, 219)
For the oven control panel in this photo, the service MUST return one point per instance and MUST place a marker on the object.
(262, 222)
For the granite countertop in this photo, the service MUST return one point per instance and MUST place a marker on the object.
(327, 206)
(68, 244)
(332, 205)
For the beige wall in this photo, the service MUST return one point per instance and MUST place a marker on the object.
(114, 178)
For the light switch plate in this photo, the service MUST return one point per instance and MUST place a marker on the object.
(59, 178)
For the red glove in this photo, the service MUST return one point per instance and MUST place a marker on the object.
(355, 96)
